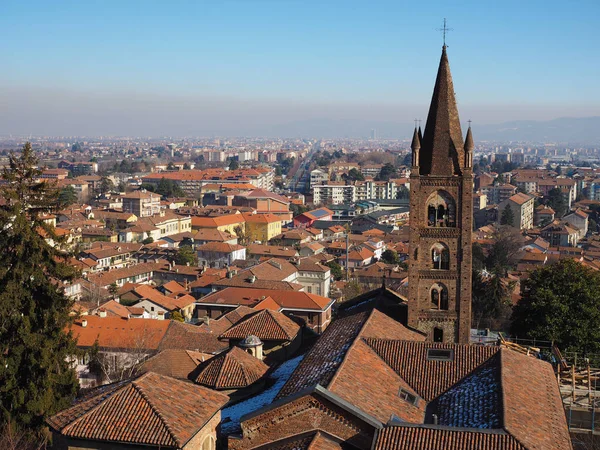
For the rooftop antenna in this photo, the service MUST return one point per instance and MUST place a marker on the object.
(445, 30)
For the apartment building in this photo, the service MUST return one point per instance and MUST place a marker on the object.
(318, 177)
(336, 193)
(498, 193)
(522, 208)
(141, 203)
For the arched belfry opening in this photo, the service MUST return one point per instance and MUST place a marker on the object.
(438, 295)
(441, 210)
(440, 257)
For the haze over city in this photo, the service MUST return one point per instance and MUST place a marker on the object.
(285, 68)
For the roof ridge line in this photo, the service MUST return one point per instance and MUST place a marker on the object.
(350, 347)
(78, 419)
(155, 409)
(277, 323)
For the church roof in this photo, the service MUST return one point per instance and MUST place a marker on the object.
(442, 147)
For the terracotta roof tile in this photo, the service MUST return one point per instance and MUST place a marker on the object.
(233, 369)
(437, 438)
(266, 324)
(430, 378)
(141, 412)
(175, 363)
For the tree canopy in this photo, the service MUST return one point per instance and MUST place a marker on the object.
(560, 303)
(234, 164)
(355, 175)
(508, 217)
(390, 257)
(67, 196)
(557, 201)
(36, 377)
(186, 256)
(387, 172)
(336, 270)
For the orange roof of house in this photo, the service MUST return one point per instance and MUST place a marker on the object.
(117, 332)
(214, 222)
(252, 297)
(261, 218)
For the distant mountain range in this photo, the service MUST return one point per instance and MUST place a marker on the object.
(585, 130)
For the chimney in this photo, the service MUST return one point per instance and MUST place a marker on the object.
(252, 279)
(207, 320)
(435, 419)
(229, 274)
(161, 315)
(102, 312)
(84, 323)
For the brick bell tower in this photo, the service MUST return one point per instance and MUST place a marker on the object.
(441, 199)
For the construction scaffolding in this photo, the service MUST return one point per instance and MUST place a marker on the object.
(580, 391)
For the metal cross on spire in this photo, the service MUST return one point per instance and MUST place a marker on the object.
(416, 120)
(469, 122)
(445, 30)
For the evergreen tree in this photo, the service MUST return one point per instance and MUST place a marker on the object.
(67, 196)
(234, 164)
(557, 201)
(36, 379)
(186, 255)
(508, 218)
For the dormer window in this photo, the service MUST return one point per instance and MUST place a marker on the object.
(440, 354)
(408, 397)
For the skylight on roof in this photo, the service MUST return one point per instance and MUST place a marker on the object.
(408, 396)
(440, 354)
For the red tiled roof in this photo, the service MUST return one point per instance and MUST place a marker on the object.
(266, 324)
(116, 332)
(175, 363)
(423, 437)
(185, 336)
(219, 247)
(233, 369)
(428, 377)
(285, 299)
(142, 411)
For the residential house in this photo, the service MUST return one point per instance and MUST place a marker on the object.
(219, 254)
(559, 233)
(579, 220)
(262, 227)
(262, 251)
(314, 310)
(543, 215)
(306, 219)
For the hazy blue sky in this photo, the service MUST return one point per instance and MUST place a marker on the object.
(196, 67)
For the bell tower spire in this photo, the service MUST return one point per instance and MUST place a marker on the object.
(442, 144)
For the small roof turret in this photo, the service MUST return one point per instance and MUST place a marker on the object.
(469, 145)
(416, 141)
